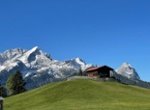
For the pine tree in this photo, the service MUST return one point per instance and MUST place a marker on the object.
(3, 91)
(15, 84)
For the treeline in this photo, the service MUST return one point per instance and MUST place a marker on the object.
(14, 85)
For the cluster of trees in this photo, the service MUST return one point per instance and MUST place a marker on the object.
(14, 85)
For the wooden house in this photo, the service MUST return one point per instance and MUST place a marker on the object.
(100, 72)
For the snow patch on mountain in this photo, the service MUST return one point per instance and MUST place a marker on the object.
(11, 54)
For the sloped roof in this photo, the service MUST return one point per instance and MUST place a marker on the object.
(97, 68)
(92, 69)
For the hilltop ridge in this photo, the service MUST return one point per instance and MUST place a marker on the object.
(81, 95)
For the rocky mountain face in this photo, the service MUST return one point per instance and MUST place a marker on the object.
(37, 67)
(128, 71)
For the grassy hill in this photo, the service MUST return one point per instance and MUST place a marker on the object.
(81, 95)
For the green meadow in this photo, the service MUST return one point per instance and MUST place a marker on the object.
(81, 95)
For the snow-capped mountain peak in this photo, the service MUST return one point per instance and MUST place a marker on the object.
(34, 49)
(126, 64)
(128, 71)
(31, 55)
(37, 67)
(80, 61)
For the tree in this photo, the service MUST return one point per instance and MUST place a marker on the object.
(80, 72)
(3, 91)
(15, 84)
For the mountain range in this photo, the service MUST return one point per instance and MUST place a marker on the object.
(38, 68)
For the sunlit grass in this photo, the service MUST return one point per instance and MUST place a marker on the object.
(81, 95)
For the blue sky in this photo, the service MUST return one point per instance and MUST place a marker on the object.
(99, 31)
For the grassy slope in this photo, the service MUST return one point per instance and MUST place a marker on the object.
(82, 95)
